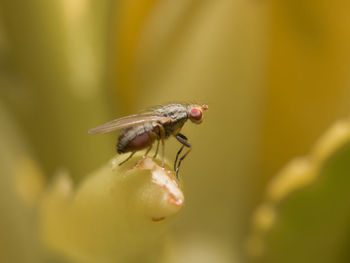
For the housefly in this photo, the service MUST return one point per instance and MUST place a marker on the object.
(140, 131)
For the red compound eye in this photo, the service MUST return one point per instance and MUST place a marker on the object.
(196, 114)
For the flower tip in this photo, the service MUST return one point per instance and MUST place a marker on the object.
(162, 192)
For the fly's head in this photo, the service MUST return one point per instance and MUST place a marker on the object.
(195, 112)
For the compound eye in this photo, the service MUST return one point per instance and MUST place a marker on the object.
(196, 114)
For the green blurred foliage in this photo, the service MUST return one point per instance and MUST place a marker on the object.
(56, 54)
(304, 217)
(19, 240)
(313, 223)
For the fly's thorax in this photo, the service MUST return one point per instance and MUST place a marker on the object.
(174, 111)
(174, 127)
(179, 115)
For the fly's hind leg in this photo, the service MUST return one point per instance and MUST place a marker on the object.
(152, 135)
(127, 159)
(156, 153)
(162, 137)
(148, 150)
(182, 139)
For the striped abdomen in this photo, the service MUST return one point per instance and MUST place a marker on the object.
(137, 138)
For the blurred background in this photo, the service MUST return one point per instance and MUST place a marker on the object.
(275, 74)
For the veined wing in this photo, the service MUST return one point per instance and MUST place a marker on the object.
(129, 121)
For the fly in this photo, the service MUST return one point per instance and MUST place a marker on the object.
(140, 131)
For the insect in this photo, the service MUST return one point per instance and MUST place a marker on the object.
(140, 131)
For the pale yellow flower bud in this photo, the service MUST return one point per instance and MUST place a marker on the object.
(117, 214)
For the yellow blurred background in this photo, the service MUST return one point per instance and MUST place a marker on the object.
(275, 74)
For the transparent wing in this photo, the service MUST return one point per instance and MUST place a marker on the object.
(129, 121)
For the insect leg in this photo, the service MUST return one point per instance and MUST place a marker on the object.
(156, 153)
(149, 148)
(158, 139)
(182, 139)
(127, 158)
(178, 153)
(177, 156)
(152, 135)
(162, 136)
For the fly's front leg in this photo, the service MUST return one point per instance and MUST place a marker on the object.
(182, 139)
(182, 147)
(177, 156)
